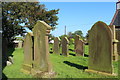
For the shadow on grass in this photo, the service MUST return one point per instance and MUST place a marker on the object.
(86, 55)
(5, 58)
(75, 65)
(71, 50)
(72, 54)
(50, 52)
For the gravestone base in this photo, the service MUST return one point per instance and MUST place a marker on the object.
(26, 68)
(41, 74)
(99, 72)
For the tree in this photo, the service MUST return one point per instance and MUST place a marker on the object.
(78, 32)
(14, 14)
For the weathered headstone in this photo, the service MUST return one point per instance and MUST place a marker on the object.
(41, 65)
(28, 53)
(64, 43)
(100, 48)
(77, 37)
(56, 46)
(79, 48)
(20, 43)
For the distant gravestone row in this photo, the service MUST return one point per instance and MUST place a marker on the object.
(79, 44)
(102, 48)
(36, 54)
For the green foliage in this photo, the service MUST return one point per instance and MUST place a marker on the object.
(78, 32)
(16, 13)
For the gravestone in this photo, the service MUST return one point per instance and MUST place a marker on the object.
(41, 64)
(77, 37)
(28, 53)
(79, 48)
(56, 46)
(100, 48)
(20, 44)
(65, 43)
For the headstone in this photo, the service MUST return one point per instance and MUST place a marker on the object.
(28, 53)
(56, 46)
(79, 48)
(100, 48)
(41, 65)
(8, 63)
(64, 43)
(77, 37)
(20, 44)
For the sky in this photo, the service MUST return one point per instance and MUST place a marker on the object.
(80, 15)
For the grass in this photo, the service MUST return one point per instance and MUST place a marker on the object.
(65, 67)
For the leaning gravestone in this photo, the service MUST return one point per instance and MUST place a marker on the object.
(77, 37)
(28, 53)
(56, 46)
(100, 48)
(79, 48)
(41, 64)
(64, 43)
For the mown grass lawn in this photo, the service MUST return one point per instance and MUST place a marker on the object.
(65, 67)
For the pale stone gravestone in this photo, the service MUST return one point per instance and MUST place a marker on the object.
(100, 48)
(20, 44)
(77, 37)
(28, 53)
(65, 43)
(79, 48)
(41, 64)
(11, 59)
(56, 46)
